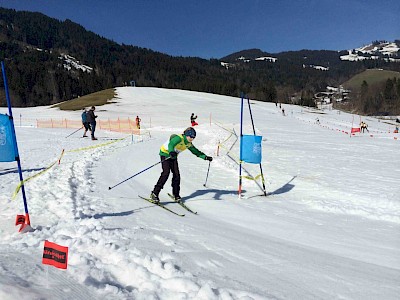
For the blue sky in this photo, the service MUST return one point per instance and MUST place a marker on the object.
(216, 28)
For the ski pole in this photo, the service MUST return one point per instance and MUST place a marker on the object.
(111, 187)
(74, 132)
(209, 163)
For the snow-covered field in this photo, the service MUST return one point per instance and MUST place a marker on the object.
(328, 229)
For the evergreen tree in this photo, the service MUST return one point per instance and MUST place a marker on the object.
(32, 45)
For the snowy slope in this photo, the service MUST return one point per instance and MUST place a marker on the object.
(374, 51)
(328, 229)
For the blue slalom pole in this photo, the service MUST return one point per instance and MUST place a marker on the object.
(240, 155)
(254, 133)
(27, 219)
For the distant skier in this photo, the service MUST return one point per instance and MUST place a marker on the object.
(91, 118)
(364, 127)
(138, 120)
(317, 121)
(193, 120)
(85, 123)
(169, 161)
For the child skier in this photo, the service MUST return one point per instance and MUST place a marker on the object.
(193, 120)
(169, 153)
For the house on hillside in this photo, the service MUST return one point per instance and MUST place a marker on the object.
(330, 96)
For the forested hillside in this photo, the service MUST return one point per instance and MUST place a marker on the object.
(48, 61)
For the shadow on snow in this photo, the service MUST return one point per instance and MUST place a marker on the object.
(15, 170)
(283, 189)
(217, 193)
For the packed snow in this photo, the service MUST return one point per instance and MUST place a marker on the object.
(329, 227)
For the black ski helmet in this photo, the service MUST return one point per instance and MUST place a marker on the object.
(190, 132)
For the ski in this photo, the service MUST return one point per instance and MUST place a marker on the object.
(182, 204)
(162, 206)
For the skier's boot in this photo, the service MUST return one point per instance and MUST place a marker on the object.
(178, 199)
(154, 198)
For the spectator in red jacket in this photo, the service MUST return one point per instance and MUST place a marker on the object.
(193, 120)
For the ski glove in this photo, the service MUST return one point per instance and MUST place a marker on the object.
(209, 158)
(173, 155)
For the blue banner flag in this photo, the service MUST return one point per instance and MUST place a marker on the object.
(251, 149)
(7, 147)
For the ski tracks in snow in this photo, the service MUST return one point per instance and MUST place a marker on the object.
(102, 258)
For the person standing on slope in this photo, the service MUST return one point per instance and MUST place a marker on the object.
(85, 123)
(91, 118)
(138, 120)
(169, 161)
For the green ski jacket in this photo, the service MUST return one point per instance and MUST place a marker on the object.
(179, 143)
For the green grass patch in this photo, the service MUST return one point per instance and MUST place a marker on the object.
(371, 76)
(94, 99)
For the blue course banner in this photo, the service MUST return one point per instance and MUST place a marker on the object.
(251, 149)
(7, 148)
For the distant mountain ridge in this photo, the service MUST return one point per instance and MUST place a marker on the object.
(389, 51)
(49, 61)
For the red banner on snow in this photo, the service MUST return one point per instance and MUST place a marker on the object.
(355, 129)
(55, 255)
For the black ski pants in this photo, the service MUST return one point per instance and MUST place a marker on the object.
(169, 165)
(93, 126)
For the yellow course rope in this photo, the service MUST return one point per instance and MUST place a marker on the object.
(18, 188)
(253, 178)
(235, 157)
(97, 146)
